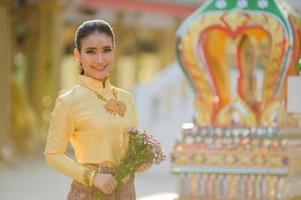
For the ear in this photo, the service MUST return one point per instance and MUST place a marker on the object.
(76, 54)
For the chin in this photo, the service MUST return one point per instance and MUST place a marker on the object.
(98, 75)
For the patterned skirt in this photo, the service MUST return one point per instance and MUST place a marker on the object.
(126, 191)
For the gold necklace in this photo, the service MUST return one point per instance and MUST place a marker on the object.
(112, 106)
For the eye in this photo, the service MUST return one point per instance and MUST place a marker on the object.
(90, 52)
(108, 50)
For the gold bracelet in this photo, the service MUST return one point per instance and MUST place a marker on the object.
(91, 177)
(86, 177)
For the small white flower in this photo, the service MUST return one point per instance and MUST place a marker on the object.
(221, 4)
(242, 3)
(262, 4)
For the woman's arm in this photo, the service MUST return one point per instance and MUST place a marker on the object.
(61, 127)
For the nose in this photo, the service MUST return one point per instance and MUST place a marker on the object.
(100, 58)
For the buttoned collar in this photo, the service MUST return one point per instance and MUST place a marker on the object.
(95, 84)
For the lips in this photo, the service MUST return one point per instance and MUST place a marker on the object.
(100, 68)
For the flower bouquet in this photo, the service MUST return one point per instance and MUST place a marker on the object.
(143, 150)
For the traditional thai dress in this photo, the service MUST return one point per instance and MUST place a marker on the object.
(94, 117)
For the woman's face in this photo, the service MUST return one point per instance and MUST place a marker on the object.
(96, 55)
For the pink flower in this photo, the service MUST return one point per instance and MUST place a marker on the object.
(134, 131)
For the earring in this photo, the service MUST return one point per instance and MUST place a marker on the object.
(82, 71)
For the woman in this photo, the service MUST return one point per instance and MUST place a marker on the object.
(94, 116)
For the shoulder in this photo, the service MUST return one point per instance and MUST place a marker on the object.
(71, 95)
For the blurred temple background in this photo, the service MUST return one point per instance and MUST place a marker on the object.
(37, 64)
(37, 53)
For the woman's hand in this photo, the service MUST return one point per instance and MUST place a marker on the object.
(144, 167)
(105, 182)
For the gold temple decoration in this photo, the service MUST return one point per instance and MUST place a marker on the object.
(112, 106)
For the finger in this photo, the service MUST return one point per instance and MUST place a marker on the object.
(142, 167)
(109, 190)
(114, 182)
(104, 190)
(107, 187)
(110, 185)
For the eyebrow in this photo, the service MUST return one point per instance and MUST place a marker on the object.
(93, 48)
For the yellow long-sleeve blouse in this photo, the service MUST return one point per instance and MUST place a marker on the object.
(96, 135)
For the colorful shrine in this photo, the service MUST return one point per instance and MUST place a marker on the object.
(242, 144)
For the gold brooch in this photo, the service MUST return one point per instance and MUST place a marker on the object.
(112, 106)
(115, 106)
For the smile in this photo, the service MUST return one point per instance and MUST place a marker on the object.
(100, 68)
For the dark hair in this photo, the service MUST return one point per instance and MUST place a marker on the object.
(90, 27)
